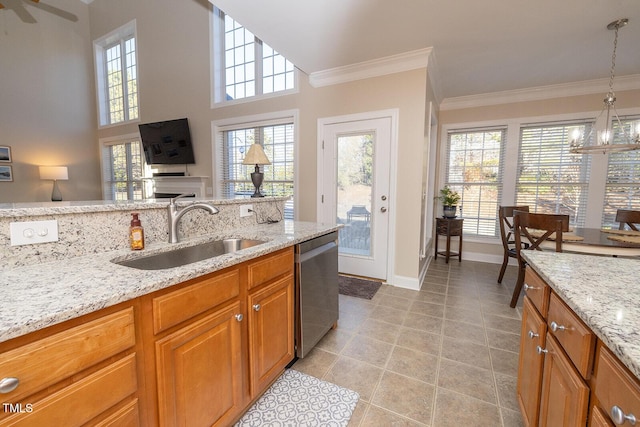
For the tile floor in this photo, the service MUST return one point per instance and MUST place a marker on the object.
(446, 355)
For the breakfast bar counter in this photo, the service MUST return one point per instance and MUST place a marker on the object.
(603, 291)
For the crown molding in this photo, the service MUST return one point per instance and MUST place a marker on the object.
(587, 87)
(377, 67)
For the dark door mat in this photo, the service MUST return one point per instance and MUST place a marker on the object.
(359, 288)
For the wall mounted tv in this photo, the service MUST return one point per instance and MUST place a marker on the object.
(167, 143)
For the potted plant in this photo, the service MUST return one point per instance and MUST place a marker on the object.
(449, 199)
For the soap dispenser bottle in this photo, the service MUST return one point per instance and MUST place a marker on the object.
(136, 233)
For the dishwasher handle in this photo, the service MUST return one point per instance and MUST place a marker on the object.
(302, 257)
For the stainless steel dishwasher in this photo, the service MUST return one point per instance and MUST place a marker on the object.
(316, 269)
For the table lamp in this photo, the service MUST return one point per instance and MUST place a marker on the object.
(256, 156)
(54, 173)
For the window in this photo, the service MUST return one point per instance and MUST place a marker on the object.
(474, 169)
(549, 178)
(122, 169)
(248, 66)
(116, 76)
(623, 175)
(278, 143)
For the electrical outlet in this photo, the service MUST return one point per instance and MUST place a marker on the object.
(246, 210)
(31, 232)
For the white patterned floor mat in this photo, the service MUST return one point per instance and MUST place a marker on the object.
(300, 400)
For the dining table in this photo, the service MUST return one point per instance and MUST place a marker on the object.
(597, 241)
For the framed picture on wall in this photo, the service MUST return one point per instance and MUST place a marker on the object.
(5, 154)
(5, 174)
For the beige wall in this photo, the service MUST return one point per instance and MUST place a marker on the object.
(47, 107)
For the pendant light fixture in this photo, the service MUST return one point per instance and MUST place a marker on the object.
(603, 141)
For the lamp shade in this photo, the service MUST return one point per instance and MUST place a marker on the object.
(54, 172)
(256, 156)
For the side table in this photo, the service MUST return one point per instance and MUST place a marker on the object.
(449, 227)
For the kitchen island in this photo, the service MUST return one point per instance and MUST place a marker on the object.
(580, 341)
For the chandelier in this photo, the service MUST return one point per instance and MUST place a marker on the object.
(604, 139)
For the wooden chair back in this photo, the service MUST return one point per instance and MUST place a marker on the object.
(505, 214)
(629, 218)
(549, 223)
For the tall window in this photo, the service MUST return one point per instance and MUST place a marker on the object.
(474, 169)
(248, 66)
(117, 76)
(278, 143)
(550, 179)
(122, 170)
(623, 175)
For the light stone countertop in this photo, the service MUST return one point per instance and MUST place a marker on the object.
(37, 296)
(603, 291)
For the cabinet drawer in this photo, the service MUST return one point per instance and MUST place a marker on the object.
(598, 418)
(44, 362)
(537, 291)
(270, 267)
(82, 401)
(614, 385)
(127, 416)
(178, 306)
(576, 338)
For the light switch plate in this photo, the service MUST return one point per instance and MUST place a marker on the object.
(31, 232)
(246, 210)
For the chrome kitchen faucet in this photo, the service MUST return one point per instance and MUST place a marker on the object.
(174, 214)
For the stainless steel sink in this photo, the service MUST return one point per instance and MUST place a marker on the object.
(189, 254)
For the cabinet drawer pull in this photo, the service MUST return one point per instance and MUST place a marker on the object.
(555, 327)
(619, 417)
(239, 317)
(529, 287)
(541, 350)
(256, 307)
(8, 384)
(533, 335)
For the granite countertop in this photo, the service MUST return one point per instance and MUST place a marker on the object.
(603, 291)
(37, 296)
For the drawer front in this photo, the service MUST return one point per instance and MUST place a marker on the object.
(599, 418)
(127, 416)
(59, 356)
(185, 303)
(576, 338)
(270, 267)
(537, 291)
(82, 401)
(614, 386)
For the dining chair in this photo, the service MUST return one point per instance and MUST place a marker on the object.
(628, 217)
(548, 224)
(505, 216)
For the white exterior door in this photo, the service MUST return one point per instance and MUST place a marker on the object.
(354, 172)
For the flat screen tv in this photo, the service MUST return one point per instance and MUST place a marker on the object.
(167, 143)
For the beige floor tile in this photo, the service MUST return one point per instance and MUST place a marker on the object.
(465, 331)
(473, 316)
(503, 340)
(413, 364)
(378, 417)
(425, 323)
(505, 324)
(405, 396)
(335, 340)
(395, 302)
(355, 375)
(388, 314)
(382, 331)
(505, 362)
(432, 297)
(511, 418)
(419, 340)
(455, 409)
(317, 363)
(422, 307)
(466, 351)
(368, 350)
(467, 380)
(506, 385)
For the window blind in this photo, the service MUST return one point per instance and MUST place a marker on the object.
(474, 169)
(550, 179)
(622, 190)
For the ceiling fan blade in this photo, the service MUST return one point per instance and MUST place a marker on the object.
(23, 14)
(55, 11)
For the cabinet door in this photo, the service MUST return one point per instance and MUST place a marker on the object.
(530, 363)
(271, 325)
(200, 371)
(565, 396)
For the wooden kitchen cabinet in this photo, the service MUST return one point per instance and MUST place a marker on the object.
(530, 362)
(564, 395)
(63, 372)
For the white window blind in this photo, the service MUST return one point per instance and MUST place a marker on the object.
(474, 169)
(550, 179)
(278, 143)
(622, 190)
(122, 170)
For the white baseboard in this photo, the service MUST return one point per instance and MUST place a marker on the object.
(405, 282)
